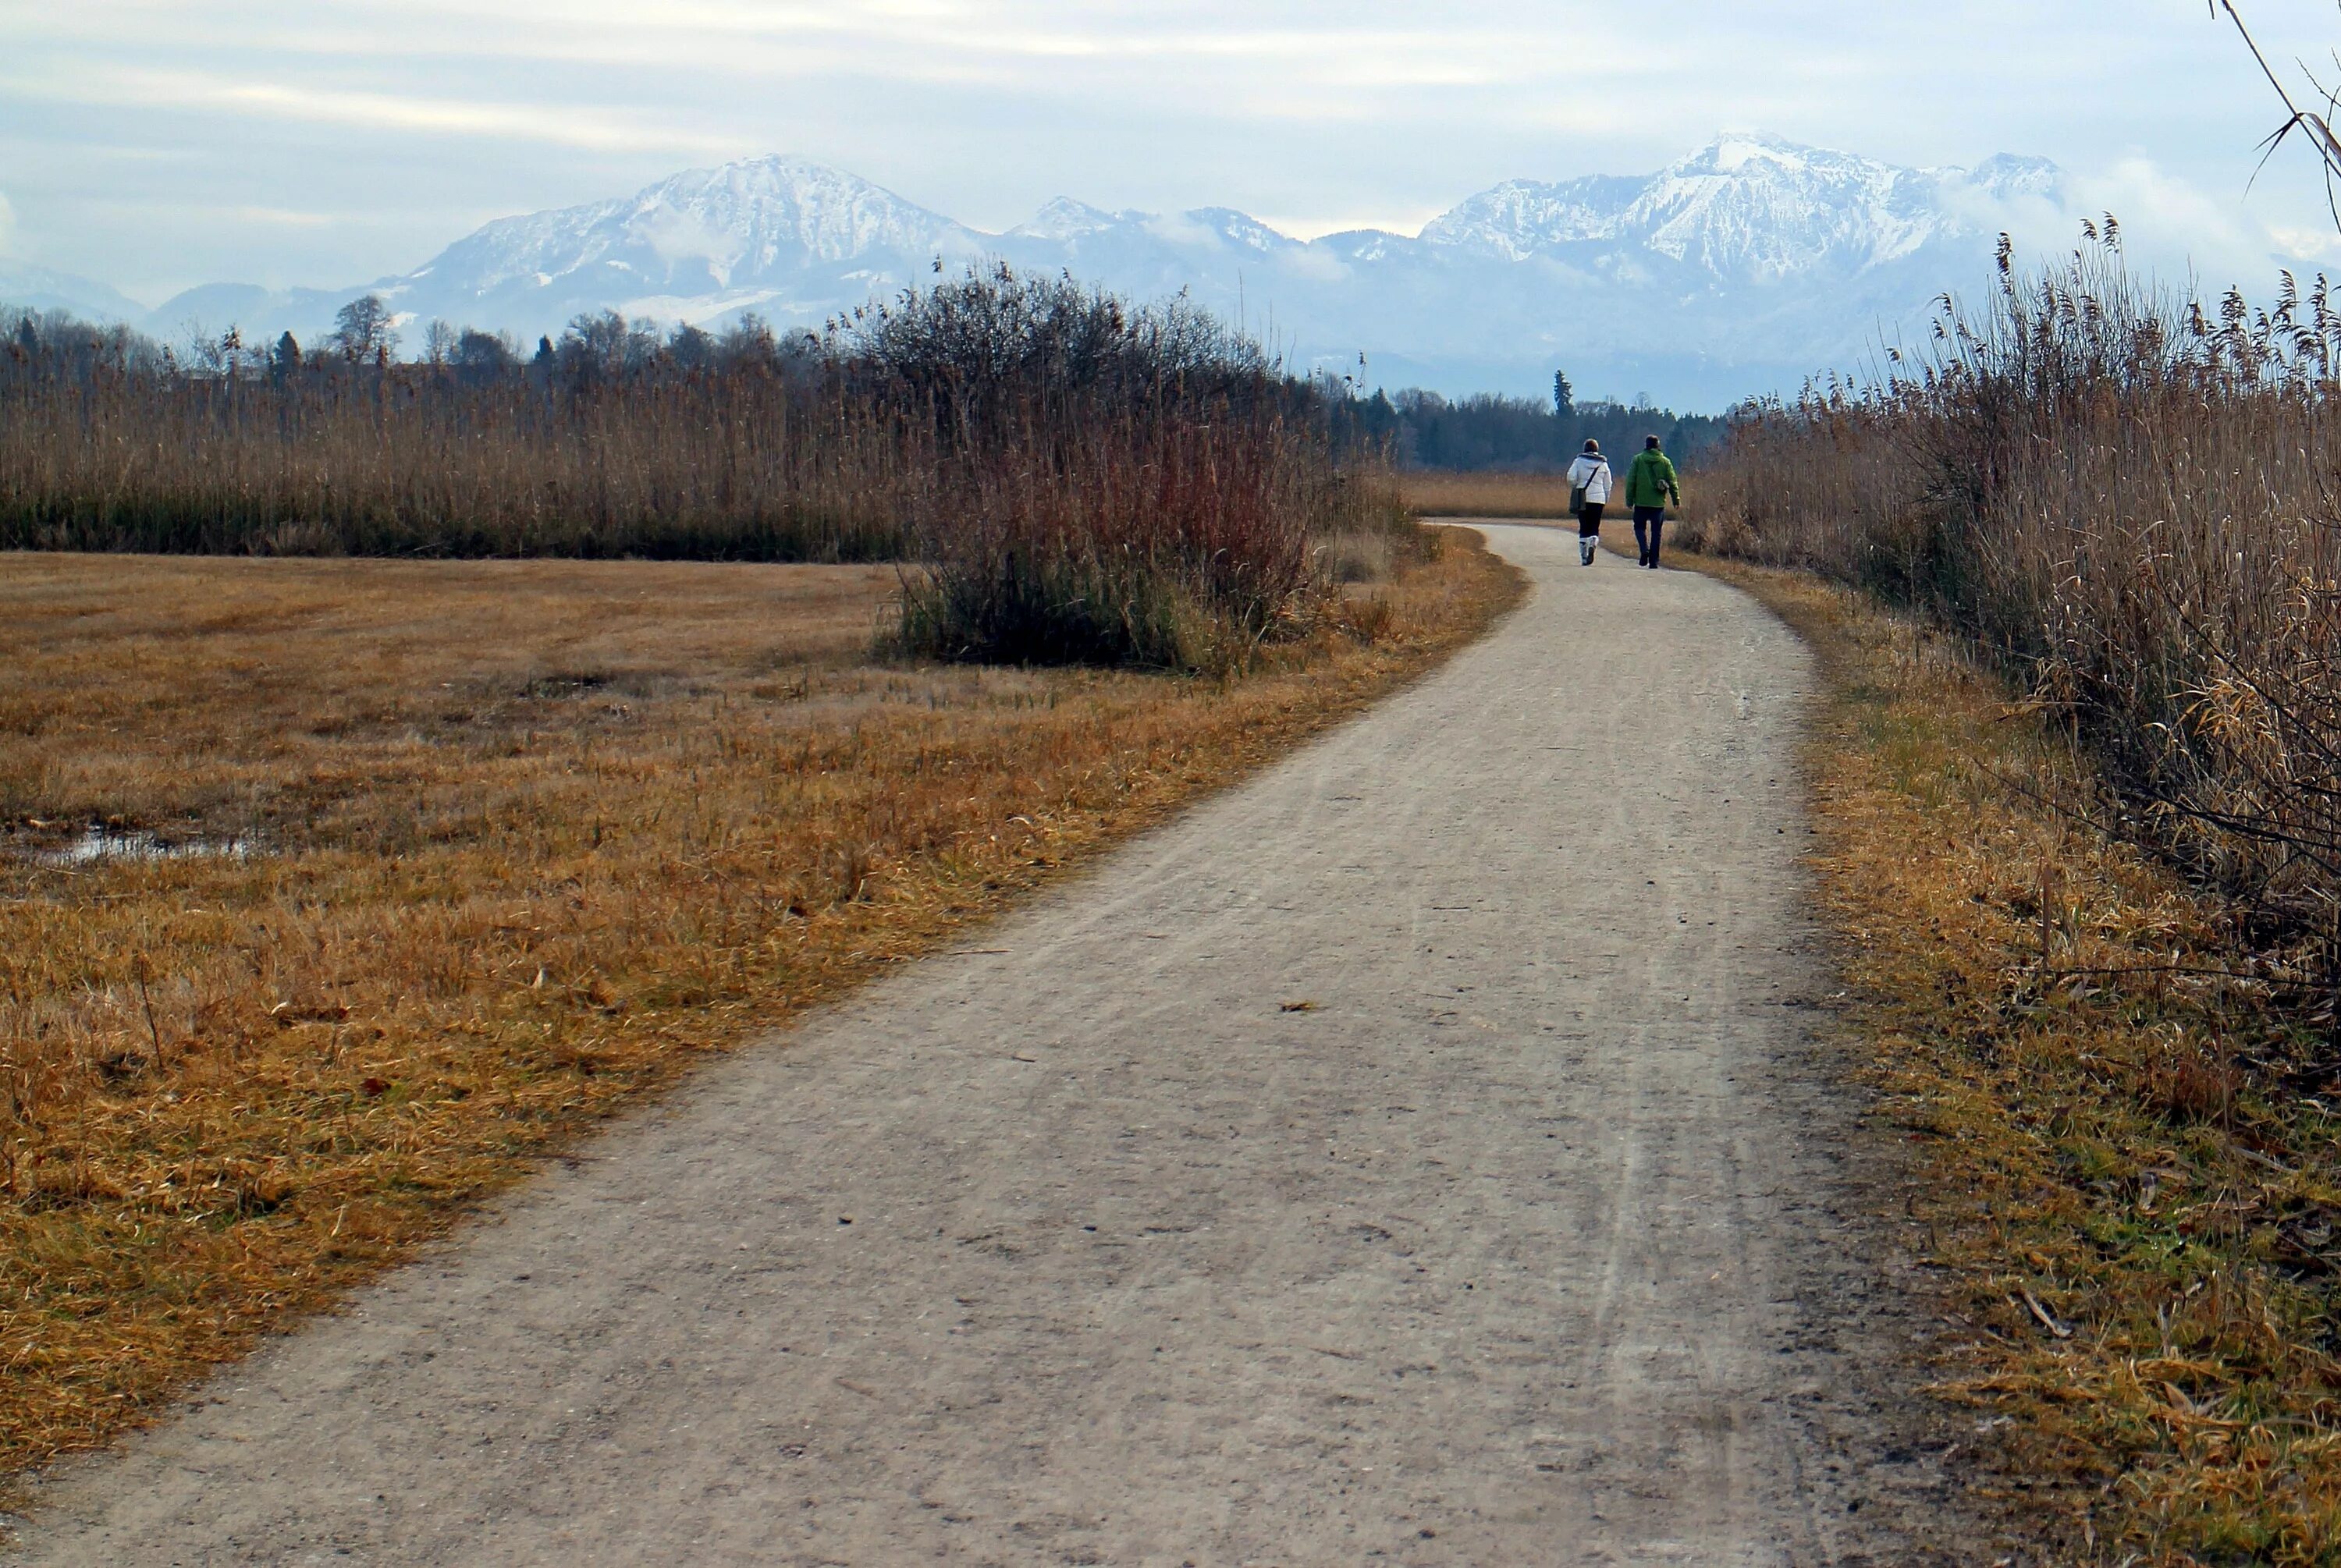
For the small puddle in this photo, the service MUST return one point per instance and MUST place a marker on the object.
(98, 845)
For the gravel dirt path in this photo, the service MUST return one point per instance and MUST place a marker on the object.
(1420, 1154)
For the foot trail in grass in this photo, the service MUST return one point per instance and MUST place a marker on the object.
(1417, 1154)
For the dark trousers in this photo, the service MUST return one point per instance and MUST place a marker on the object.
(1588, 520)
(1653, 518)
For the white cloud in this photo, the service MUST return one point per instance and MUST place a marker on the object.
(571, 125)
(409, 121)
(2171, 226)
(7, 224)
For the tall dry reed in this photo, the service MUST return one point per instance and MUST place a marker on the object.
(1064, 477)
(737, 462)
(2135, 503)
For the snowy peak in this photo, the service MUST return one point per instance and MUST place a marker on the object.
(2006, 175)
(1738, 267)
(1522, 218)
(1736, 151)
(1242, 230)
(1066, 219)
(1748, 207)
(1755, 208)
(706, 229)
(765, 211)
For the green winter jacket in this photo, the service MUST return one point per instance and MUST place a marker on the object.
(1650, 481)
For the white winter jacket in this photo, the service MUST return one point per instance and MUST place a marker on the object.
(1592, 473)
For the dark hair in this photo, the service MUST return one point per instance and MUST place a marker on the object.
(1650, 443)
(1592, 445)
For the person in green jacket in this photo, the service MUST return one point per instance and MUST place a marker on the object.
(1651, 483)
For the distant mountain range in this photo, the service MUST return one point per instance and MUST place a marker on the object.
(1736, 270)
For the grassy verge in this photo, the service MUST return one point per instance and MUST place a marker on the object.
(506, 845)
(2130, 1178)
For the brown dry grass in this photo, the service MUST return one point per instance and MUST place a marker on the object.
(527, 839)
(2128, 1173)
(1485, 494)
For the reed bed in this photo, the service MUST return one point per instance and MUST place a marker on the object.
(2134, 504)
(1066, 478)
(742, 462)
(2085, 848)
(465, 855)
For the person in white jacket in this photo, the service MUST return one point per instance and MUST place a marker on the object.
(1589, 486)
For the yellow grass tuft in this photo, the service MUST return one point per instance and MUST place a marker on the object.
(519, 840)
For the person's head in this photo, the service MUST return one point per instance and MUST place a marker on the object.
(1649, 443)
(1592, 447)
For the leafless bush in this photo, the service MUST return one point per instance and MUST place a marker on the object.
(1110, 485)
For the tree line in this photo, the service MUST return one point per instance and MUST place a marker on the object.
(1490, 431)
(1414, 428)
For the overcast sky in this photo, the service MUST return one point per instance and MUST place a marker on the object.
(156, 143)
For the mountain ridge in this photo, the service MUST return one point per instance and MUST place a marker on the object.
(1746, 262)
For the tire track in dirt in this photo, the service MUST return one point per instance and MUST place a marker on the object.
(1417, 1154)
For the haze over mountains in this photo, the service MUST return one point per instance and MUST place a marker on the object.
(1736, 270)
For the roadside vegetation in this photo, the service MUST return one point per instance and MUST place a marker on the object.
(2125, 502)
(2073, 578)
(2125, 1169)
(336, 890)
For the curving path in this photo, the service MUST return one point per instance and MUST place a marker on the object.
(1529, 1241)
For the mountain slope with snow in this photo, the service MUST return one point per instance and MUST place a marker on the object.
(1734, 270)
(28, 287)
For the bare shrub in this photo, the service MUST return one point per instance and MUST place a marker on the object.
(1110, 486)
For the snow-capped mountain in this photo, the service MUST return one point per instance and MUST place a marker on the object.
(795, 240)
(1735, 270)
(29, 287)
(1745, 209)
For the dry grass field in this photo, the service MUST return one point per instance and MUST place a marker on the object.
(420, 867)
(2127, 1173)
(1487, 494)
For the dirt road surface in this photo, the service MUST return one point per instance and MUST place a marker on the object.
(1418, 1154)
